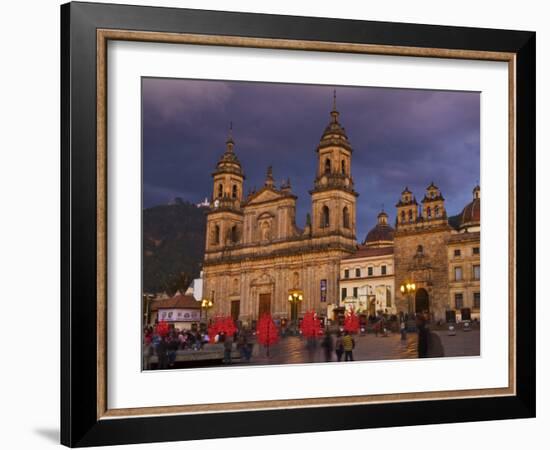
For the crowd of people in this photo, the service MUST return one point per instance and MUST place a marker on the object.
(164, 346)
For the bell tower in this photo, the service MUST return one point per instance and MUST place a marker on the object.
(333, 196)
(407, 211)
(225, 218)
(433, 206)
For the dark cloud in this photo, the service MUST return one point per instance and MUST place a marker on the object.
(400, 137)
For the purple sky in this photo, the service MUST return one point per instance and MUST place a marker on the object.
(400, 137)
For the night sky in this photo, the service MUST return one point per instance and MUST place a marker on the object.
(400, 137)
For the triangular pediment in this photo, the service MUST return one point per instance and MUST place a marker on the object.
(265, 195)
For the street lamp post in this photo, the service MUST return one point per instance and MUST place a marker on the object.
(294, 298)
(147, 312)
(206, 305)
(408, 288)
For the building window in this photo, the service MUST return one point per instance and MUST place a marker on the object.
(355, 292)
(458, 273)
(346, 273)
(234, 193)
(344, 293)
(437, 211)
(477, 300)
(476, 272)
(459, 301)
(457, 253)
(220, 190)
(388, 296)
(234, 234)
(325, 217)
(343, 167)
(429, 212)
(370, 271)
(383, 269)
(420, 250)
(475, 250)
(216, 234)
(410, 215)
(402, 216)
(345, 217)
(327, 165)
(358, 272)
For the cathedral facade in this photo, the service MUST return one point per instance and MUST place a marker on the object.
(257, 260)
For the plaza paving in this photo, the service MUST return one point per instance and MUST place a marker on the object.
(293, 349)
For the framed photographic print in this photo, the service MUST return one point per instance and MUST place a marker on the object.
(275, 224)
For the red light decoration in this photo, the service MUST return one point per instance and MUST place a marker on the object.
(223, 325)
(311, 325)
(351, 322)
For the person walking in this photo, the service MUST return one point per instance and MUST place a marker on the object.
(349, 344)
(227, 348)
(327, 346)
(403, 331)
(423, 336)
(339, 347)
(243, 347)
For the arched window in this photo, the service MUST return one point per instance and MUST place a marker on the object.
(410, 215)
(437, 211)
(220, 190)
(234, 234)
(325, 217)
(234, 191)
(429, 211)
(327, 165)
(216, 234)
(345, 217)
(403, 216)
(420, 250)
(343, 167)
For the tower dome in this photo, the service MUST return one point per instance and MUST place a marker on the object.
(228, 162)
(382, 233)
(334, 133)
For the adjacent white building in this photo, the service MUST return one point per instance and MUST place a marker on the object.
(367, 278)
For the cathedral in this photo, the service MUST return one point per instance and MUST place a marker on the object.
(257, 260)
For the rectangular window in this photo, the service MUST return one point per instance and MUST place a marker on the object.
(357, 273)
(344, 293)
(475, 251)
(458, 273)
(457, 253)
(459, 301)
(346, 273)
(383, 268)
(370, 271)
(476, 272)
(477, 300)
(388, 296)
(355, 292)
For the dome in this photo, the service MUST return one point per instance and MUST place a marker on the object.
(471, 212)
(381, 233)
(470, 215)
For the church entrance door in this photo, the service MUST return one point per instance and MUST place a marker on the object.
(235, 310)
(264, 306)
(422, 301)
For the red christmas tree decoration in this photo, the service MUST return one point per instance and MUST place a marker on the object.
(351, 322)
(311, 325)
(267, 332)
(162, 328)
(223, 325)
